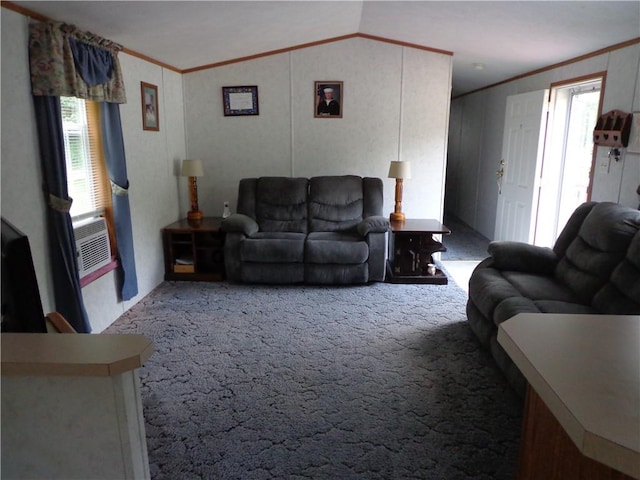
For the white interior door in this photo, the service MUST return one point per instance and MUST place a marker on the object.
(519, 168)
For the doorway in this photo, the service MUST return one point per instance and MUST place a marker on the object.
(548, 158)
(568, 160)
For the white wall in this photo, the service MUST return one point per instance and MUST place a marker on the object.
(477, 122)
(22, 197)
(151, 160)
(285, 138)
(382, 82)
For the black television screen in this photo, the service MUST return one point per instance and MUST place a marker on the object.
(21, 303)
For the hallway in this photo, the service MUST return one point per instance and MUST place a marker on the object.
(465, 249)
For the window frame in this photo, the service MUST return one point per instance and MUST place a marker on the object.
(97, 175)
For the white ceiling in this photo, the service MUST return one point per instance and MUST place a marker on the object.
(509, 37)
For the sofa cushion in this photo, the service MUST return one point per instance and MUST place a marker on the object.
(571, 228)
(273, 247)
(522, 257)
(511, 306)
(621, 295)
(372, 196)
(281, 204)
(557, 306)
(540, 287)
(335, 203)
(601, 244)
(336, 248)
(487, 288)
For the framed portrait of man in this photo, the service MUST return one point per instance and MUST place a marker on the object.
(328, 97)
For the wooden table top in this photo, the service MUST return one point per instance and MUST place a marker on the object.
(420, 225)
(207, 224)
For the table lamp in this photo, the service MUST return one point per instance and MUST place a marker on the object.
(399, 171)
(193, 169)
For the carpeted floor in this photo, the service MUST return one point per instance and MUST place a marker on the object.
(465, 249)
(464, 243)
(295, 382)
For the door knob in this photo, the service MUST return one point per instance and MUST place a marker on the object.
(500, 174)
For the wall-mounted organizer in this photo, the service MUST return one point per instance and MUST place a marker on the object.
(613, 129)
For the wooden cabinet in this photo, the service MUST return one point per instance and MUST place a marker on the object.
(613, 129)
(194, 251)
(411, 249)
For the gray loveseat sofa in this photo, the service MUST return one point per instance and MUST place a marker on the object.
(320, 230)
(594, 267)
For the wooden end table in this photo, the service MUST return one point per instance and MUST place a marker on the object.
(194, 251)
(411, 249)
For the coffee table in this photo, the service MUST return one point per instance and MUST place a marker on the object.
(411, 249)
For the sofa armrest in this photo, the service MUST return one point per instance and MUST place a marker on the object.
(239, 223)
(373, 224)
(522, 257)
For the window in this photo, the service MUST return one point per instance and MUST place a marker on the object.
(87, 179)
(88, 184)
(582, 116)
(567, 172)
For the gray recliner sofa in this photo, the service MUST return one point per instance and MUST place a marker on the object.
(593, 268)
(320, 230)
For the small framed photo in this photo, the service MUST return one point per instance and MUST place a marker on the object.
(150, 114)
(240, 100)
(328, 99)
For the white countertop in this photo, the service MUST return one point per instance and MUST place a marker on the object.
(586, 368)
(71, 354)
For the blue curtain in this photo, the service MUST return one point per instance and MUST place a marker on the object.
(66, 281)
(94, 64)
(93, 74)
(117, 167)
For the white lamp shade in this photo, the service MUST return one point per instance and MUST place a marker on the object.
(192, 168)
(400, 170)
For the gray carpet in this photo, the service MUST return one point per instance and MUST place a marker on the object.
(368, 382)
(464, 243)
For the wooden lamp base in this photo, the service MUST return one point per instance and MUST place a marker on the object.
(397, 217)
(194, 216)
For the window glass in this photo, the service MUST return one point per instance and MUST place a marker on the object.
(86, 176)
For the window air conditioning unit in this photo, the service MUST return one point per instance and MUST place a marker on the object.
(92, 245)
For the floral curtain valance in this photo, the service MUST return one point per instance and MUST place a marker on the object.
(66, 62)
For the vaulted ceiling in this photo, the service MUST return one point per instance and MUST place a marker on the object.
(491, 40)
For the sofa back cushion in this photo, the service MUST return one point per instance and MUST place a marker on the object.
(571, 229)
(335, 203)
(247, 197)
(280, 204)
(373, 197)
(600, 245)
(621, 294)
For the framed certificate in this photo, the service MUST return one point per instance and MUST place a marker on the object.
(240, 100)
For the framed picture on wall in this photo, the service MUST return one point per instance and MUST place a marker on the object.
(328, 99)
(240, 101)
(150, 116)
